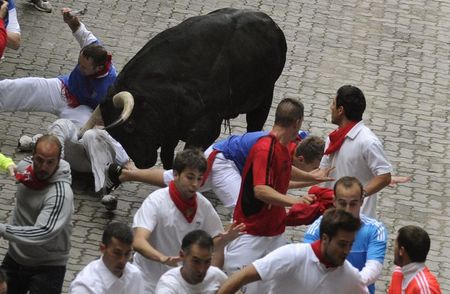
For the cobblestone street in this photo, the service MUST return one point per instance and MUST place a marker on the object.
(396, 51)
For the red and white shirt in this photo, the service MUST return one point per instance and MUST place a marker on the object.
(413, 278)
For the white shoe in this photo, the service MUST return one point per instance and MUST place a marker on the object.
(26, 143)
(110, 202)
(42, 5)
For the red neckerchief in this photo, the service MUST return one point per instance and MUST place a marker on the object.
(210, 161)
(188, 208)
(105, 69)
(71, 99)
(316, 248)
(337, 137)
(29, 179)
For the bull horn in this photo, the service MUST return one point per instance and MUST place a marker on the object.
(95, 119)
(121, 100)
(125, 101)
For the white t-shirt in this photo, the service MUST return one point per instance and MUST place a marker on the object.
(294, 268)
(172, 282)
(96, 278)
(361, 156)
(168, 226)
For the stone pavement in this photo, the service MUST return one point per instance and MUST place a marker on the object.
(397, 52)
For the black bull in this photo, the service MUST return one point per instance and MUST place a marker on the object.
(189, 78)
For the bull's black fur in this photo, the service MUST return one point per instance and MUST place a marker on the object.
(189, 78)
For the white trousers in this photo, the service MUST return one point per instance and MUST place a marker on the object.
(224, 179)
(92, 153)
(245, 250)
(40, 94)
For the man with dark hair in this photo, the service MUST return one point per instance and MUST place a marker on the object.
(368, 250)
(320, 267)
(72, 96)
(40, 228)
(196, 275)
(411, 275)
(262, 201)
(169, 213)
(353, 149)
(112, 273)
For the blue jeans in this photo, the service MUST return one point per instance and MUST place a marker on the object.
(36, 279)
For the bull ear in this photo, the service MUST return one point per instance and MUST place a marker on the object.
(125, 101)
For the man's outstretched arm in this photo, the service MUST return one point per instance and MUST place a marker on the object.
(79, 30)
(245, 276)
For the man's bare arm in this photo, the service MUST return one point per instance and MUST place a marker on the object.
(317, 175)
(247, 275)
(143, 246)
(270, 196)
(377, 183)
(220, 241)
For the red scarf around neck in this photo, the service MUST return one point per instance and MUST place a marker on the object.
(188, 208)
(29, 179)
(209, 164)
(316, 248)
(337, 137)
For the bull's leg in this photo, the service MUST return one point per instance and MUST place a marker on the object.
(167, 154)
(257, 117)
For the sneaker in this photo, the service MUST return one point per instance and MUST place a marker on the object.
(112, 174)
(26, 143)
(110, 202)
(42, 5)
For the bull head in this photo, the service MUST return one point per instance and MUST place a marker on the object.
(122, 100)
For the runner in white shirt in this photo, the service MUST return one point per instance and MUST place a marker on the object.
(112, 273)
(196, 275)
(354, 150)
(169, 213)
(308, 268)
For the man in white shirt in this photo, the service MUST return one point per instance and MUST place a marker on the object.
(196, 275)
(112, 273)
(320, 267)
(353, 149)
(169, 213)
